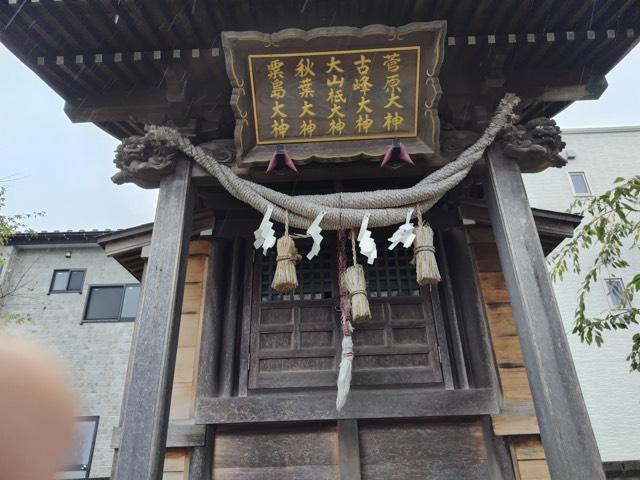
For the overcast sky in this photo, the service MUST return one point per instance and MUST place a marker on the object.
(49, 164)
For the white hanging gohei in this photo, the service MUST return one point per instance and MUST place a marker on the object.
(314, 231)
(346, 364)
(265, 235)
(365, 242)
(404, 234)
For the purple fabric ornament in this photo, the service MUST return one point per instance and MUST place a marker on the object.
(280, 156)
(396, 152)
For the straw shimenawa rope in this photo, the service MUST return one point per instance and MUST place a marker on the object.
(346, 210)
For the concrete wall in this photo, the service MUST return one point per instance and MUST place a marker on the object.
(96, 354)
(611, 392)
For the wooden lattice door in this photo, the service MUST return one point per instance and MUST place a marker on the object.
(295, 340)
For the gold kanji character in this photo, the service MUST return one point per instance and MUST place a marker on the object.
(335, 80)
(363, 104)
(307, 128)
(392, 102)
(336, 126)
(362, 65)
(277, 110)
(392, 85)
(279, 129)
(336, 96)
(336, 110)
(334, 64)
(305, 88)
(391, 62)
(362, 85)
(306, 109)
(304, 68)
(274, 69)
(392, 121)
(277, 89)
(364, 123)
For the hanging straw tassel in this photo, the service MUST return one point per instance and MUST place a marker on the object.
(424, 256)
(354, 281)
(285, 279)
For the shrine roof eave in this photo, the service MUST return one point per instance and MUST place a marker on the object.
(107, 60)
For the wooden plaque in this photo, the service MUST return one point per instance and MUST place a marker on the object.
(335, 94)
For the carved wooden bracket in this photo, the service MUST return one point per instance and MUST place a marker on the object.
(144, 161)
(536, 145)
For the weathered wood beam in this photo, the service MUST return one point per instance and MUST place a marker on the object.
(178, 436)
(141, 105)
(361, 404)
(466, 285)
(565, 427)
(349, 448)
(148, 390)
(149, 105)
(201, 462)
(499, 458)
(556, 85)
(229, 326)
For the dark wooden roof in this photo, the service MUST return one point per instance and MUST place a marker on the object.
(123, 63)
(126, 245)
(70, 237)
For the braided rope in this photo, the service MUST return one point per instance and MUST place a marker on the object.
(346, 209)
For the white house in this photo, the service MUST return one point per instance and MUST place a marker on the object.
(596, 157)
(81, 304)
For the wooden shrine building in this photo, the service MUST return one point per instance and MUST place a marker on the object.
(467, 378)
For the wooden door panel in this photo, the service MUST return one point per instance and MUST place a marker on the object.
(295, 338)
(423, 450)
(298, 452)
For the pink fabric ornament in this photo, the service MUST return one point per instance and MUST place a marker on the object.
(279, 156)
(395, 152)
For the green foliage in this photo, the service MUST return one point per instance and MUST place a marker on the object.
(9, 224)
(611, 228)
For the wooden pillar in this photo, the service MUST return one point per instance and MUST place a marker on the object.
(568, 439)
(230, 325)
(201, 463)
(149, 381)
(349, 448)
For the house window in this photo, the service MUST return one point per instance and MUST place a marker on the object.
(112, 303)
(66, 281)
(78, 463)
(580, 184)
(615, 293)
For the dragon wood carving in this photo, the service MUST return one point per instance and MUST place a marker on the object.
(144, 161)
(535, 145)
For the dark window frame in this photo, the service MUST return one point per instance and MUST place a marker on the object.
(70, 270)
(583, 174)
(120, 319)
(623, 305)
(85, 467)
